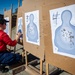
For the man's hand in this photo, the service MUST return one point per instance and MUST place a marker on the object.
(18, 36)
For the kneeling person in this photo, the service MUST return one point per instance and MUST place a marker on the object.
(6, 57)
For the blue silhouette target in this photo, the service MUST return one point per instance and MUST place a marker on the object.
(32, 27)
(7, 26)
(32, 32)
(65, 34)
(19, 28)
(63, 30)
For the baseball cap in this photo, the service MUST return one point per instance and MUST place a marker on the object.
(3, 21)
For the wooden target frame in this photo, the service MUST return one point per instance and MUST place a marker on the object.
(36, 50)
(19, 28)
(63, 62)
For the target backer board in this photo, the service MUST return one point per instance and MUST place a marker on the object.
(33, 38)
(54, 13)
(8, 16)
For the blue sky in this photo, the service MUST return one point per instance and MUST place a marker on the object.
(7, 4)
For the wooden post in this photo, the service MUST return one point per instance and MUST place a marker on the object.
(41, 66)
(26, 58)
(47, 69)
(23, 54)
(14, 49)
(12, 8)
(18, 3)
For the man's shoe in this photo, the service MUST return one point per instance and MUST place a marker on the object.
(4, 70)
